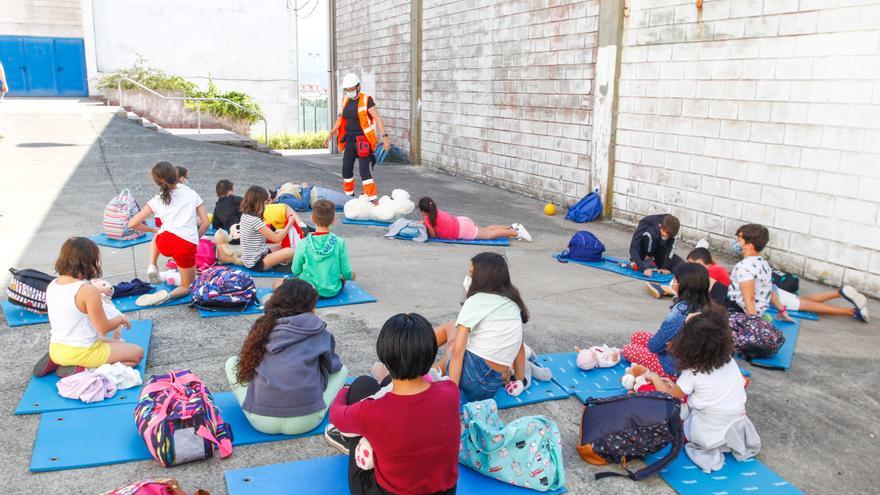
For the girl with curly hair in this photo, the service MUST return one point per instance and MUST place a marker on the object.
(287, 372)
(715, 418)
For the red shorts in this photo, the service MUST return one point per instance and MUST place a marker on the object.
(182, 251)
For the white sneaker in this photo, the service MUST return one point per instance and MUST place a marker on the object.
(854, 297)
(153, 274)
(521, 232)
(153, 299)
(703, 243)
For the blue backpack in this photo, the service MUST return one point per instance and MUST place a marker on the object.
(587, 209)
(223, 289)
(583, 246)
(526, 452)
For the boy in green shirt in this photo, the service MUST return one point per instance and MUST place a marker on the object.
(321, 259)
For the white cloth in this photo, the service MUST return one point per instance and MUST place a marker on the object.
(741, 438)
(110, 309)
(121, 375)
(496, 329)
(179, 216)
(751, 268)
(69, 325)
(787, 299)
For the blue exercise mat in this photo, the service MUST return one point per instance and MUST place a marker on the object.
(273, 273)
(610, 264)
(782, 359)
(41, 394)
(538, 392)
(735, 478)
(804, 315)
(478, 242)
(366, 223)
(598, 382)
(103, 240)
(328, 476)
(253, 309)
(108, 435)
(17, 316)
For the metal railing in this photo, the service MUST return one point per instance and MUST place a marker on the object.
(198, 101)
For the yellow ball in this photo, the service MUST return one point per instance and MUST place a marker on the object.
(550, 209)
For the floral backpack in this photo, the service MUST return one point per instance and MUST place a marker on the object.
(223, 289)
(178, 421)
(526, 452)
(754, 337)
(152, 486)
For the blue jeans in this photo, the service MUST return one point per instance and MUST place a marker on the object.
(478, 381)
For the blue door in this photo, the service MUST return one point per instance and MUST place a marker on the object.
(38, 66)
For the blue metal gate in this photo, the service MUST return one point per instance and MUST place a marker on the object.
(38, 66)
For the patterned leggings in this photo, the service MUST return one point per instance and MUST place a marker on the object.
(637, 352)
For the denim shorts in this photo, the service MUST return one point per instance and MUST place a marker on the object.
(478, 381)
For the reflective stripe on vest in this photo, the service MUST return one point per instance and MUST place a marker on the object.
(366, 122)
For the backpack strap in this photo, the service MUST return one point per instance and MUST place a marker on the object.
(561, 256)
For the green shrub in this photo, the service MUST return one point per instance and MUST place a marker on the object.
(224, 109)
(288, 141)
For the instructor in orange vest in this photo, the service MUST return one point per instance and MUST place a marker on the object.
(356, 127)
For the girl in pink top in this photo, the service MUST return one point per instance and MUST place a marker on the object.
(442, 225)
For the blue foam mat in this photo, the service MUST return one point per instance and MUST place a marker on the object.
(538, 392)
(253, 309)
(477, 242)
(782, 359)
(366, 223)
(41, 394)
(328, 476)
(735, 478)
(273, 273)
(66, 439)
(611, 264)
(804, 315)
(17, 316)
(598, 382)
(103, 240)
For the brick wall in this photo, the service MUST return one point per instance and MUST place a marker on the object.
(762, 111)
(60, 18)
(372, 40)
(507, 92)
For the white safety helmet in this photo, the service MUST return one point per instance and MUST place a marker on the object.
(350, 80)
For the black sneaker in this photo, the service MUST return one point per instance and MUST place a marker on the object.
(335, 439)
(44, 366)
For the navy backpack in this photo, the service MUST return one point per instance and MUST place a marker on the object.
(583, 246)
(587, 209)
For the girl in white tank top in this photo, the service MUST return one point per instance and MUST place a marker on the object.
(70, 326)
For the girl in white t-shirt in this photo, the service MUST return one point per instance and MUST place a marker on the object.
(79, 325)
(486, 340)
(184, 222)
(715, 418)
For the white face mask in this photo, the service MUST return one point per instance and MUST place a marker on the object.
(351, 94)
(466, 283)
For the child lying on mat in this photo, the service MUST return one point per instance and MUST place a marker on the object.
(691, 284)
(288, 371)
(77, 318)
(321, 258)
(715, 414)
(303, 196)
(414, 429)
(442, 225)
(486, 340)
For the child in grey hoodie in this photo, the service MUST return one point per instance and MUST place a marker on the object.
(287, 372)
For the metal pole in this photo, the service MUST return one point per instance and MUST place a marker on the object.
(199, 115)
(331, 100)
(119, 89)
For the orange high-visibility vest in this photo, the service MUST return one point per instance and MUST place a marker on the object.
(366, 121)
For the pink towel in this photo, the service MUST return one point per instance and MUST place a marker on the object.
(86, 386)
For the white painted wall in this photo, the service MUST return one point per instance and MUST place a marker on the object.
(56, 18)
(244, 46)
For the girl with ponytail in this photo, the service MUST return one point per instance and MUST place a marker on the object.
(184, 222)
(442, 225)
(288, 371)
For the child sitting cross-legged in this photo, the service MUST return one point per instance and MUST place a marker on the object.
(287, 372)
(715, 415)
(255, 235)
(321, 258)
(413, 429)
(227, 211)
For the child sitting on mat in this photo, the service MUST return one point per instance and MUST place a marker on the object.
(321, 258)
(76, 316)
(413, 430)
(255, 235)
(719, 278)
(152, 268)
(288, 371)
(691, 284)
(442, 225)
(653, 244)
(184, 222)
(715, 414)
(486, 340)
(227, 211)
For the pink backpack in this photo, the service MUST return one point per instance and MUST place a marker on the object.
(206, 254)
(152, 486)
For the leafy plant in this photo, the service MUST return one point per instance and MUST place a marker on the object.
(223, 108)
(150, 77)
(288, 141)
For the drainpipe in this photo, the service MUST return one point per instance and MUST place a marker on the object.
(333, 98)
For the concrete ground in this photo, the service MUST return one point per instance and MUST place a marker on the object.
(62, 160)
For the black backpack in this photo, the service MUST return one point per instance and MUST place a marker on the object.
(632, 426)
(28, 289)
(788, 282)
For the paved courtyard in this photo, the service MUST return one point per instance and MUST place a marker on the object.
(62, 160)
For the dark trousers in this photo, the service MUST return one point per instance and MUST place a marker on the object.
(348, 158)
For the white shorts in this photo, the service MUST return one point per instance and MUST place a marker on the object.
(788, 299)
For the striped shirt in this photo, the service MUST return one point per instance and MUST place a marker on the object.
(253, 244)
